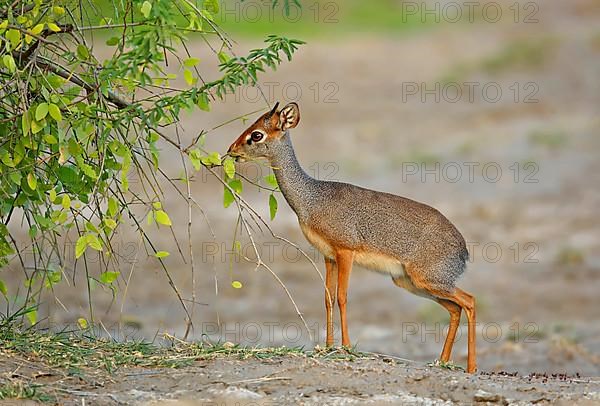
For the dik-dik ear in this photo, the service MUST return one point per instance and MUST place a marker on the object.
(289, 116)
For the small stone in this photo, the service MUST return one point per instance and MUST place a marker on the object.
(483, 396)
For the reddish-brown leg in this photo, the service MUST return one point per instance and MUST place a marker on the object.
(467, 302)
(458, 296)
(344, 264)
(330, 282)
(454, 311)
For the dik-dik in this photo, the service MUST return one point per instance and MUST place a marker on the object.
(414, 243)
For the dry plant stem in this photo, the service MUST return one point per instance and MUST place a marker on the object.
(189, 233)
(169, 278)
(240, 203)
(123, 299)
(259, 263)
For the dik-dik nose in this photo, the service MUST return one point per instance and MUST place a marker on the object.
(232, 151)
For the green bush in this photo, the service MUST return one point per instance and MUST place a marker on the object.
(74, 125)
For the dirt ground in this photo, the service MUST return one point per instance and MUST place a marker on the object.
(302, 380)
(532, 228)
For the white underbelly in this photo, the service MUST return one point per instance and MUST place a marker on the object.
(371, 260)
(380, 263)
(374, 261)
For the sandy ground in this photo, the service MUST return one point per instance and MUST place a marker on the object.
(297, 379)
(532, 226)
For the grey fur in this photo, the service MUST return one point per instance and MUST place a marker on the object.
(414, 243)
(415, 234)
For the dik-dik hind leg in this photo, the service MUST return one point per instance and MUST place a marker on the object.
(458, 296)
(467, 302)
(455, 311)
(344, 261)
(330, 285)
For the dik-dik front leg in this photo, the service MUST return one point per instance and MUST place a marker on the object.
(344, 261)
(330, 286)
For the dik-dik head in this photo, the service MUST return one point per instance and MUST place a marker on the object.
(262, 136)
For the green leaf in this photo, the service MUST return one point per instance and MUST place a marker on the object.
(83, 323)
(14, 36)
(188, 76)
(31, 316)
(236, 284)
(50, 139)
(80, 246)
(52, 278)
(94, 242)
(66, 202)
(54, 27)
(157, 205)
(236, 185)
(195, 156)
(190, 62)
(43, 222)
(112, 41)
(223, 57)
(213, 159)
(41, 111)
(7, 160)
(113, 206)
(55, 112)
(110, 223)
(162, 217)
(16, 177)
(272, 206)
(82, 52)
(37, 126)
(52, 195)
(146, 8)
(203, 102)
(37, 29)
(18, 153)
(271, 180)
(9, 62)
(228, 197)
(89, 226)
(33, 230)
(161, 254)
(109, 277)
(212, 6)
(25, 123)
(229, 167)
(31, 181)
(3, 288)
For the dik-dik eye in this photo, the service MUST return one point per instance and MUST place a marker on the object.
(256, 136)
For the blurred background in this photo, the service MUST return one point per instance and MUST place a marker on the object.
(487, 111)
